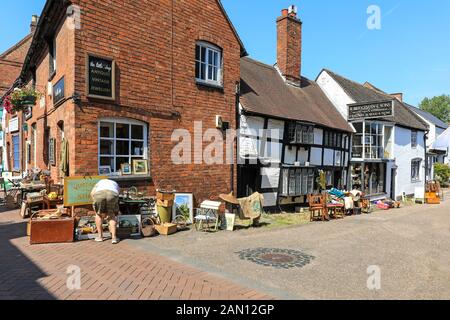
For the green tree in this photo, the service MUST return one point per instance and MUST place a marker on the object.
(438, 106)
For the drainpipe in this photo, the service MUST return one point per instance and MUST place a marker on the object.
(425, 137)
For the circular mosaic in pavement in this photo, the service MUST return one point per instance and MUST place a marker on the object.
(276, 258)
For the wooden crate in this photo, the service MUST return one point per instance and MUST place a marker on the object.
(166, 228)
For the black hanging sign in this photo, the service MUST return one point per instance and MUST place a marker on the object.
(370, 110)
(58, 91)
(100, 78)
(52, 151)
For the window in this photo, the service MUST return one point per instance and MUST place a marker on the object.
(413, 139)
(300, 133)
(297, 181)
(16, 152)
(415, 169)
(332, 139)
(52, 56)
(368, 141)
(208, 64)
(121, 142)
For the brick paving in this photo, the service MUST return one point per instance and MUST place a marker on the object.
(120, 272)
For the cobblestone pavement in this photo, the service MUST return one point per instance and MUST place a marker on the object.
(107, 272)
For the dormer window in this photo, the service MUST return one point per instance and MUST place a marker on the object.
(208, 64)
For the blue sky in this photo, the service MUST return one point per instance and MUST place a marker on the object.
(410, 54)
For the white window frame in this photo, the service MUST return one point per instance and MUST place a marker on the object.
(416, 178)
(219, 73)
(114, 139)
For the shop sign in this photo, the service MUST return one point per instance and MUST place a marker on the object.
(362, 111)
(100, 78)
(77, 190)
(52, 151)
(14, 124)
(58, 91)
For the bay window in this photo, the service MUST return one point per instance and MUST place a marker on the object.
(120, 142)
(208, 64)
(372, 140)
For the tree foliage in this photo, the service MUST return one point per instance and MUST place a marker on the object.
(442, 173)
(438, 106)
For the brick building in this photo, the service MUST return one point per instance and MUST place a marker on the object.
(116, 81)
(11, 62)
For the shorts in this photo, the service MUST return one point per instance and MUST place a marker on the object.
(106, 204)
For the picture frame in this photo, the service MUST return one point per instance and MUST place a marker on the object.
(126, 169)
(129, 226)
(184, 205)
(104, 170)
(140, 167)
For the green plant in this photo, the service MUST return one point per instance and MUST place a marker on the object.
(23, 98)
(442, 173)
(322, 180)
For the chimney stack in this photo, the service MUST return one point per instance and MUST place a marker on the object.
(398, 96)
(289, 45)
(34, 22)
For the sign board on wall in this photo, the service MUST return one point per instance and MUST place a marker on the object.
(371, 110)
(52, 151)
(100, 78)
(77, 190)
(14, 124)
(59, 91)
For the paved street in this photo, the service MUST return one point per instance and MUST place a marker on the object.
(107, 272)
(410, 246)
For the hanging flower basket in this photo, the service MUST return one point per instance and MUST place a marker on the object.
(21, 99)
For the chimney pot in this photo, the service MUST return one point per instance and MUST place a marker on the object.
(34, 22)
(284, 12)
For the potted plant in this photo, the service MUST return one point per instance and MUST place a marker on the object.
(23, 98)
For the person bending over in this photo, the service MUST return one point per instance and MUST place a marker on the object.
(105, 197)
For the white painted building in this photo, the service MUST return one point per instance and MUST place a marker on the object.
(388, 150)
(436, 128)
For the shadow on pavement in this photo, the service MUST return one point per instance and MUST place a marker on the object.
(18, 274)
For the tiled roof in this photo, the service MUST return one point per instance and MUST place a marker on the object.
(263, 91)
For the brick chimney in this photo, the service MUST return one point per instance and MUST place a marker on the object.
(398, 96)
(34, 22)
(289, 45)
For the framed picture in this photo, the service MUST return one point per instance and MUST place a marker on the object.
(104, 170)
(184, 205)
(129, 226)
(126, 168)
(140, 167)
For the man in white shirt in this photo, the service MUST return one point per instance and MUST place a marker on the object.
(105, 196)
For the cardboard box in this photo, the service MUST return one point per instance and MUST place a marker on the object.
(166, 228)
(165, 196)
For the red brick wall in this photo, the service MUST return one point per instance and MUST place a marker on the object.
(154, 50)
(289, 47)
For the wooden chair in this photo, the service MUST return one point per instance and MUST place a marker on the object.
(316, 207)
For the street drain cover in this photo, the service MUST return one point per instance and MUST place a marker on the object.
(276, 258)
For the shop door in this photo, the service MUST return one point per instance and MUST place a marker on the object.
(249, 177)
